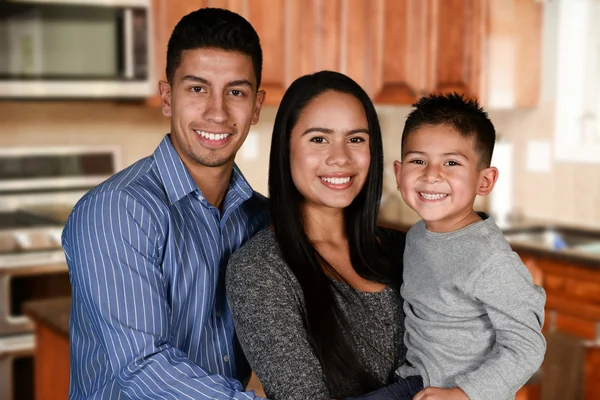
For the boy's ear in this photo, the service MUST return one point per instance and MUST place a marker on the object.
(487, 180)
(397, 171)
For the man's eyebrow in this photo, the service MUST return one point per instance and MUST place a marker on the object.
(199, 79)
(194, 78)
(329, 131)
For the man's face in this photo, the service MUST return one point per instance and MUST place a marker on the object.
(212, 102)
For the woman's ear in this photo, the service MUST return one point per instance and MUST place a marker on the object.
(487, 180)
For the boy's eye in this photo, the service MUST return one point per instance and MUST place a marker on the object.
(419, 162)
(451, 163)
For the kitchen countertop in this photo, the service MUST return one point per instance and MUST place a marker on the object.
(53, 313)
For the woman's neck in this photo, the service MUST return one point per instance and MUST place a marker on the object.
(324, 224)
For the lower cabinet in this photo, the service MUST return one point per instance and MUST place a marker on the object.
(572, 307)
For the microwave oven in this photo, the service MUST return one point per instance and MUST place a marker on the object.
(76, 49)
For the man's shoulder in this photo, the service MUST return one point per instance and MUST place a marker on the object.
(138, 182)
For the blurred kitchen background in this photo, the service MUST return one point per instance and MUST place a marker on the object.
(78, 78)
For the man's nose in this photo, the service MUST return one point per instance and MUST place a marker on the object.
(216, 109)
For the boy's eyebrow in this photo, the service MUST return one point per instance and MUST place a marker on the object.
(330, 131)
(199, 79)
(452, 153)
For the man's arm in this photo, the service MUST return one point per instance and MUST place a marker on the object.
(515, 307)
(113, 256)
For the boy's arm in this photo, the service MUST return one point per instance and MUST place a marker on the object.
(112, 249)
(515, 307)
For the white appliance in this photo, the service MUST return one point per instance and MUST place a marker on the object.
(76, 49)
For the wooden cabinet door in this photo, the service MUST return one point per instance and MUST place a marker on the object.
(455, 32)
(398, 59)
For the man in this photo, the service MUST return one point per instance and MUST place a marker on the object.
(147, 248)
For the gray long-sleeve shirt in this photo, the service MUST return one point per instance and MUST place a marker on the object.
(270, 316)
(473, 314)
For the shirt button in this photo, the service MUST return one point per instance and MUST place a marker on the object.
(226, 358)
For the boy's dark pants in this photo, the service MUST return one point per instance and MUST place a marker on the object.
(403, 389)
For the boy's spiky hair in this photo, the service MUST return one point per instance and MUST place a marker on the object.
(463, 114)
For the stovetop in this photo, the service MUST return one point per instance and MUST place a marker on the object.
(22, 232)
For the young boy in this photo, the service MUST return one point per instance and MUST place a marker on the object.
(473, 315)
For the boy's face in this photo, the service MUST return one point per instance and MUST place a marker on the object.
(439, 177)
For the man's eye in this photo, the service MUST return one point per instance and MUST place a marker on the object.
(198, 89)
(237, 93)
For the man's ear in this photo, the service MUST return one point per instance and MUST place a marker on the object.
(260, 98)
(164, 88)
(487, 180)
(397, 172)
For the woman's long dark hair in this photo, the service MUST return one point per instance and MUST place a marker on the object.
(324, 321)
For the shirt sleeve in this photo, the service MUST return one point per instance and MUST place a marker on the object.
(113, 252)
(270, 327)
(515, 307)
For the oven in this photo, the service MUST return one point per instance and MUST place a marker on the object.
(38, 189)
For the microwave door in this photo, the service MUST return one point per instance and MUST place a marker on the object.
(76, 49)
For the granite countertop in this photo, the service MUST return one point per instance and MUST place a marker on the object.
(54, 313)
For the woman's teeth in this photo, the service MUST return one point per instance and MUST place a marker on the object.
(433, 196)
(336, 181)
(212, 136)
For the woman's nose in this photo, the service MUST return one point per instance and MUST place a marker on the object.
(338, 154)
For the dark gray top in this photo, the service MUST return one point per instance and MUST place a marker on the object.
(269, 313)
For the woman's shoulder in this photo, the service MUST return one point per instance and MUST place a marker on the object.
(259, 256)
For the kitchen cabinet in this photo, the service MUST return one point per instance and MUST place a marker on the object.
(572, 306)
(398, 50)
(51, 358)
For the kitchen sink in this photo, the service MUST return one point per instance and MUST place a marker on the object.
(556, 238)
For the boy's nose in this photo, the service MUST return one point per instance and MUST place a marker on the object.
(432, 174)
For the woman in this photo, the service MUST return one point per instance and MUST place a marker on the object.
(316, 297)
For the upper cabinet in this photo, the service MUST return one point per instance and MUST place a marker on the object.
(398, 50)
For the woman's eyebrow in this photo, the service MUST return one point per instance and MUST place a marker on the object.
(330, 131)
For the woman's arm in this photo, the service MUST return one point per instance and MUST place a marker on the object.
(266, 301)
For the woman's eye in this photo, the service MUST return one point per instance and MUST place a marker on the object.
(318, 139)
(356, 140)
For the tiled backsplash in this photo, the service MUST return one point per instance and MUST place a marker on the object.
(569, 193)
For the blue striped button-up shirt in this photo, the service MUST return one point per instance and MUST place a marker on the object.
(146, 255)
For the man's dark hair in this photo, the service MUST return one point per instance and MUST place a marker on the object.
(463, 114)
(324, 320)
(214, 28)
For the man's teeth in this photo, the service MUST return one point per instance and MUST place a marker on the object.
(433, 196)
(212, 136)
(336, 181)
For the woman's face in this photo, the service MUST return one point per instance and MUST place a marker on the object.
(330, 151)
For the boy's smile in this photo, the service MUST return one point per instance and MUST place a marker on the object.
(439, 177)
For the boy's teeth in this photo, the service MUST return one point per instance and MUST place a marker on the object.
(433, 196)
(212, 136)
(336, 181)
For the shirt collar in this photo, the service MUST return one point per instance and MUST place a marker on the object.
(178, 182)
